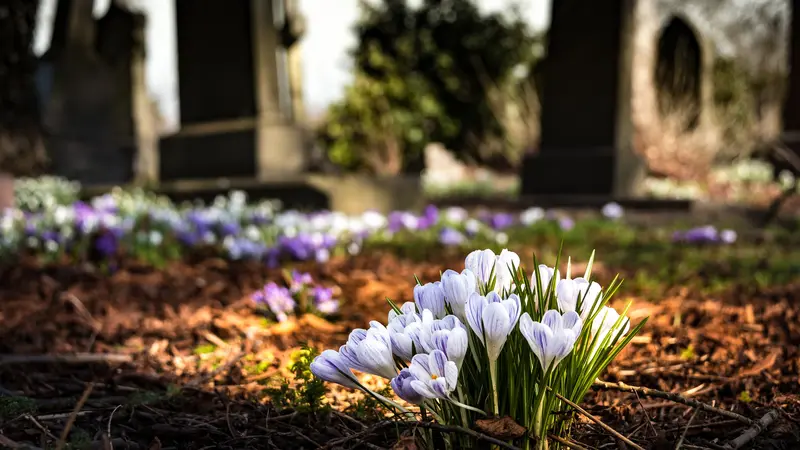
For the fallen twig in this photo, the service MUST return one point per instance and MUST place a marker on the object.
(677, 398)
(71, 421)
(77, 358)
(594, 419)
(749, 434)
(569, 444)
(428, 425)
(686, 430)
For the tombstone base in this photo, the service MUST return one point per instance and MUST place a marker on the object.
(281, 150)
(569, 172)
(586, 172)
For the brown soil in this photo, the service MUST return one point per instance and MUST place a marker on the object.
(739, 354)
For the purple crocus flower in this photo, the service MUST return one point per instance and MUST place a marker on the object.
(697, 235)
(501, 221)
(566, 223)
(299, 281)
(429, 217)
(277, 298)
(107, 241)
(451, 237)
(324, 301)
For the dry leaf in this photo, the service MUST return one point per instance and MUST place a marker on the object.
(405, 443)
(503, 428)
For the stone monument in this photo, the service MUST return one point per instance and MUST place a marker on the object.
(586, 129)
(87, 87)
(235, 97)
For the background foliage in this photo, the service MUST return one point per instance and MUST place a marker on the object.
(443, 72)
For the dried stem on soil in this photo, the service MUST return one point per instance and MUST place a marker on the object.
(647, 392)
(751, 433)
(566, 443)
(428, 425)
(77, 358)
(597, 421)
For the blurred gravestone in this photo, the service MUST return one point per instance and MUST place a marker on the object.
(791, 106)
(586, 126)
(235, 93)
(441, 167)
(86, 80)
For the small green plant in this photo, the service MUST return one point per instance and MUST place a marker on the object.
(79, 439)
(11, 407)
(306, 392)
(368, 408)
(205, 349)
(688, 353)
(745, 397)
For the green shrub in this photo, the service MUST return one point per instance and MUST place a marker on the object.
(442, 72)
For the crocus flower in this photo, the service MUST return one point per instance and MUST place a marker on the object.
(370, 351)
(430, 296)
(401, 385)
(457, 288)
(323, 300)
(727, 236)
(484, 263)
(546, 275)
(329, 366)
(566, 223)
(404, 331)
(299, 281)
(435, 376)
(531, 216)
(612, 211)
(447, 335)
(552, 339)
(277, 298)
(605, 322)
(492, 319)
(451, 237)
(501, 221)
(577, 292)
(507, 263)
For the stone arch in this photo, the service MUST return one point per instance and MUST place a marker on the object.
(679, 72)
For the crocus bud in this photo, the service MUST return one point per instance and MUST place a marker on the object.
(430, 296)
(457, 288)
(329, 366)
(401, 385)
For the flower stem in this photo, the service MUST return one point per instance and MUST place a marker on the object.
(461, 405)
(493, 375)
(464, 420)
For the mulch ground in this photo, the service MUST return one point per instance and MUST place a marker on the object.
(156, 389)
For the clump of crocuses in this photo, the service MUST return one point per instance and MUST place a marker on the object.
(493, 341)
(303, 295)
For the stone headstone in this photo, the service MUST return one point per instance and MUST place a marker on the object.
(86, 78)
(235, 102)
(586, 101)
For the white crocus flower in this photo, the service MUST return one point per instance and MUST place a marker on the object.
(552, 339)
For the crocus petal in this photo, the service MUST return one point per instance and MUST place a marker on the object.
(496, 327)
(437, 361)
(377, 358)
(329, 367)
(451, 375)
(457, 344)
(475, 307)
(572, 321)
(402, 346)
(481, 263)
(419, 367)
(401, 385)
(422, 389)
